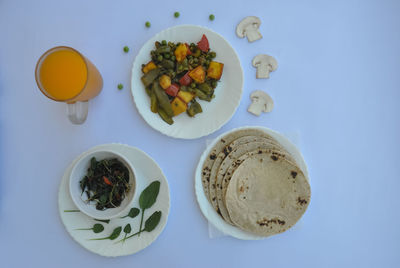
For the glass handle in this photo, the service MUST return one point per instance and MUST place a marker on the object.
(77, 112)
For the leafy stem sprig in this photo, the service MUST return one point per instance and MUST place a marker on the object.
(97, 228)
(148, 198)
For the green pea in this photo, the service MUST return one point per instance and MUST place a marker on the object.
(164, 42)
(214, 84)
(211, 17)
(120, 86)
(167, 55)
(176, 14)
(147, 24)
(213, 54)
(126, 49)
(207, 62)
(173, 58)
(193, 85)
(160, 58)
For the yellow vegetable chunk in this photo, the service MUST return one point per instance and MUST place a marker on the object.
(215, 70)
(198, 74)
(148, 67)
(185, 96)
(181, 52)
(178, 106)
(165, 81)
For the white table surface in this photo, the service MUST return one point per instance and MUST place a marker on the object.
(337, 86)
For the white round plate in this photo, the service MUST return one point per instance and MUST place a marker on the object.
(205, 206)
(147, 171)
(227, 94)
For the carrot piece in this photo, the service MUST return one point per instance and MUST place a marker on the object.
(106, 181)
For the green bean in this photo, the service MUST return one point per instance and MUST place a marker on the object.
(194, 109)
(168, 64)
(153, 103)
(163, 49)
(164, 116)
(200, 94)
(162, 99)
(149, 77)
(206, 88)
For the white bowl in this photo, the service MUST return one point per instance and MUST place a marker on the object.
(80, 170)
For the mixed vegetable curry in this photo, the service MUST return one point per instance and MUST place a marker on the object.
(178, 74)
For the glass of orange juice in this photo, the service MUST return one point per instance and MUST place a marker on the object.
(65, 75)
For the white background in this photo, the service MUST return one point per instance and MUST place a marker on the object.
(337, 86)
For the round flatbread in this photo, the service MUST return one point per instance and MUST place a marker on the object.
(267, 194)
(213, 185)
(219, 146)
(234, 165)
(242, 150)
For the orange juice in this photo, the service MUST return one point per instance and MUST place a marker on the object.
(63, 74)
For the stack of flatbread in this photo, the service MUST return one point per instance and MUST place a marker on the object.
(254, 183)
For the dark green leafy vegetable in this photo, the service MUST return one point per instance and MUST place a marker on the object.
(148, 197)
(127, 230)
(106, 183)
(146, 200)
(115, 233)
(133, 212)
(97, 228)
(152, 222)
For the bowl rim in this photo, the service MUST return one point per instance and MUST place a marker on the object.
(125, 161)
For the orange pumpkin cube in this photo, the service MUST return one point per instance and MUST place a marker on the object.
(185, 96)
(215, 70)
(148, 67)
(178, 106)
(198, 74)
(181, 52)
(165, 81)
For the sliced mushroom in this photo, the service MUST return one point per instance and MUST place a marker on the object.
(249, 27)
(264, 64)
(260, 102)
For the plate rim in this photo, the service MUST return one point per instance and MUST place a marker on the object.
(64, 180)
(207, 208)
(209, 131)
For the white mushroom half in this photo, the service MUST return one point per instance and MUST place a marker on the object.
(264, 64)
(260, 102)
(249, 27)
